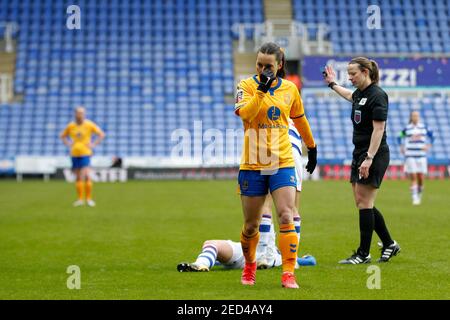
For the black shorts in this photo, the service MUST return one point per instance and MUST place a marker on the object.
(377, 170)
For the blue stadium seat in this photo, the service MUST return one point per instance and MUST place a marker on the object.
(410, 17)
(146, 68)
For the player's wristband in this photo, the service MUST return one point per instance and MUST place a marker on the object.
(332, 84)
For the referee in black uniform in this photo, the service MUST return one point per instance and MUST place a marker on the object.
(371, 153)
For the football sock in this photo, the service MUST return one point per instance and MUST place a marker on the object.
(420, 189)
(297, 224)
(79, 185)
(381, 229)
(88, 189)
(414, 191)
(208, 256)
(249, 244)
(264, 233)
(366, 225)
(288, 243)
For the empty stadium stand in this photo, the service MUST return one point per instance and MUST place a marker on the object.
(142, 68)
(145, 68)
(407, 26)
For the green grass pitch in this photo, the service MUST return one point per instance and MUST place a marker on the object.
(129, 245)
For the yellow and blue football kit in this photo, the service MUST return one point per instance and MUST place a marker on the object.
(81, 152)
(267, 147)
(265, 116)
(81, 134)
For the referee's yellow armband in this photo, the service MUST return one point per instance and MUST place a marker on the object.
(302, 125)
(250, 110)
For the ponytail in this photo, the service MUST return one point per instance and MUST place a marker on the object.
(371, 65)
(375, 73)
(282, 72)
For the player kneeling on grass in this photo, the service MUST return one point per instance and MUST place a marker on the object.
(229, 254)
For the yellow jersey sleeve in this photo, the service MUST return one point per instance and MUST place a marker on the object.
(248, 101)
(66, 131)
(300, 121)
(297, 109)
(243, 95)
(94, 128)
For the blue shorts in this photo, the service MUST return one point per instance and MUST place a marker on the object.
(252, 183)
(81, 162)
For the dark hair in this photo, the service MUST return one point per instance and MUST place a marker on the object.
(371, 65)
(273, 48)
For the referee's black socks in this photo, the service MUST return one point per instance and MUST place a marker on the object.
(381, 229)
(366, 226)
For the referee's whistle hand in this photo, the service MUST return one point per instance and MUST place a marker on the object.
(330, 74)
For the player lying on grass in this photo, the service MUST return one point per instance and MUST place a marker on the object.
(229, 253)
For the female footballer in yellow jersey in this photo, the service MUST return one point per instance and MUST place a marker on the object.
(265, 102)
(80, 132)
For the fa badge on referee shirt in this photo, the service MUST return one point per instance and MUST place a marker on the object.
(357, 116)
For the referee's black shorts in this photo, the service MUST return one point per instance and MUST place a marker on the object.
(377, 170)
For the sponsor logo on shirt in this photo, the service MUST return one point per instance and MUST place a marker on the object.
(271, 126)
(273, 113)
(362, 101)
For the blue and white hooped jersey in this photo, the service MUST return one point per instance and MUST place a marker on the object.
(416, 137)
(294, 137)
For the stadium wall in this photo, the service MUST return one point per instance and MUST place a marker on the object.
(104, 171)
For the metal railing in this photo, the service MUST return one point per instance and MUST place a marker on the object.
(295, 36)
(6, 88)
(9, 30)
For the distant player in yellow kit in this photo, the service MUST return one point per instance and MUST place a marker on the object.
(80, 132)
(265, 102)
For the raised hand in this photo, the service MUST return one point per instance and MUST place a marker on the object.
(330, 75)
